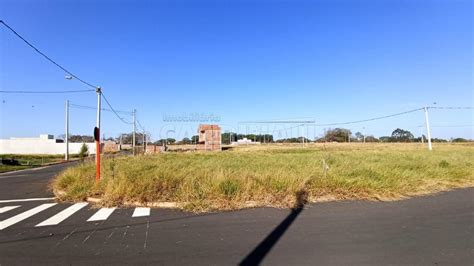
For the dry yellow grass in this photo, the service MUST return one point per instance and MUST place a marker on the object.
(271, 175)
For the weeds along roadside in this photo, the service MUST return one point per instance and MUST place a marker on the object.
(271, 177)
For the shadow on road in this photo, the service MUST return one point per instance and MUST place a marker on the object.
(258, 254)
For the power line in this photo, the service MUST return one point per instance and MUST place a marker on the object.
(450, 107)
(95, 108)
(370, 119)
(288, 121)
(115, 112)
(140, 125)
(45, 56)
(43, 92)
(449, 126)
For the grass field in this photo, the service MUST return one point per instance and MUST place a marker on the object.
(271, 175)
(28, 161)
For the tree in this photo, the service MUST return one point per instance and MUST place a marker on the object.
(127, 138)
(359, 136)
(460, 140)
(195, 139)
(337, 134)
(185, 141)
(165, 141)
(83, 152)
(371, 139)
(81, 138)
(401, 135)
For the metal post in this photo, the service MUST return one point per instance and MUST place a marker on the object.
(428, 131)
(66, 156)
(97, 141)
(306, 126)
(144, 145)
(302, 133)
(134, 129)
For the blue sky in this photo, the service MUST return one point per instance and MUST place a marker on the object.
(333, 61)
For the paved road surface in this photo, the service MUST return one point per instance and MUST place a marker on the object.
(30, 183)
(432, 230)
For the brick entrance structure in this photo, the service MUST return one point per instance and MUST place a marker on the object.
(209, 138)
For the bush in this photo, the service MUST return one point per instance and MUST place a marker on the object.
(83, 152)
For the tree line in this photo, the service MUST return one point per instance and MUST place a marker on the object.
(331, 135)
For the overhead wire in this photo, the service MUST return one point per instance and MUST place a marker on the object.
(45, 56)
(140, 125)
(370, 119)
(113, 110)
(95, 108)
(95, 88)
(124, 121)
(451, 107)
(44, 92)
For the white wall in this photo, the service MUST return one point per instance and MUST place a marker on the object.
(40, 146)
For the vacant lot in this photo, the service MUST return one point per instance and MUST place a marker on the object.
(12, 162)
(271, 175)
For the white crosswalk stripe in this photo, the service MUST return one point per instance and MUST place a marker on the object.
(8, 208)
(63, 215)
(24, 215)
(141, 211)
(101, 214)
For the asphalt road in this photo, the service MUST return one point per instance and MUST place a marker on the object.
(431, 230)
(30, 183)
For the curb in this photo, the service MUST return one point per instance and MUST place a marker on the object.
(157, 204)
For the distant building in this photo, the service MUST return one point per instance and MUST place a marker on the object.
(209, 138)
(244, 141)
(44, 144)
(151, 149)
(109, 146)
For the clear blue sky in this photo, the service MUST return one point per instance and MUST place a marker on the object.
(334, 61)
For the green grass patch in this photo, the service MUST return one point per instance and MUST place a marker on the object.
(25, 161)
(272, 175)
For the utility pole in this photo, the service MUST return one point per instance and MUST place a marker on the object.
(428, 131)
(144, 141)
(363, 128)
(307, 134)
(134, 129)
(66, 156)
(97, 138)
(302, 133)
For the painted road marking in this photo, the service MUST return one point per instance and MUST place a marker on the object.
(141, 211)
(63, 215)
(23, 200)
(8, 208)
(22, 216)
(101, 214)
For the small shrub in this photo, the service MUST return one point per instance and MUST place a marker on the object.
(443, 164)
(229, 188)
(83, 152)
